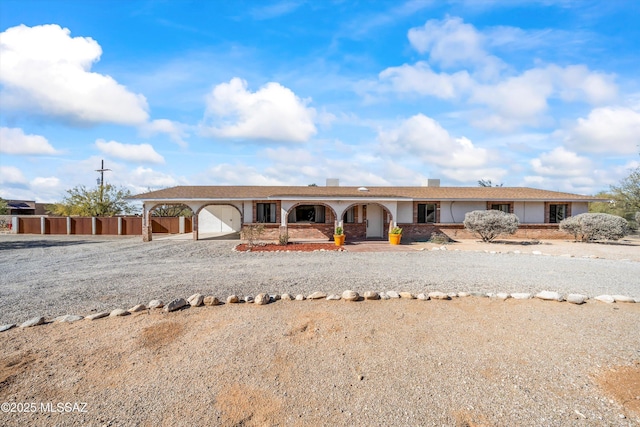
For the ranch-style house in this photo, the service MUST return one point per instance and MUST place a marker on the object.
(314, 212)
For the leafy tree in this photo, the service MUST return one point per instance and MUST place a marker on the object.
(624, 198)
(104, 200)
(172, 211)
(487, 183)
(4, 207)
(490, 224)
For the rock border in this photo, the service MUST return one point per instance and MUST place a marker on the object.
(348, 296)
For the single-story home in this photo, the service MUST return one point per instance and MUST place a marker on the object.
(313, 212)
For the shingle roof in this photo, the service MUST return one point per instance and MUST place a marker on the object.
(184, 193)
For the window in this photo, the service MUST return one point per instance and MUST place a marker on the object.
(557, 213)
(265, 212)
(504, 207)
(426, 213)
(307, 213)
(349, 216)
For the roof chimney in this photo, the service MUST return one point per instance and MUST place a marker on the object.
(333, 182)
(433, 182)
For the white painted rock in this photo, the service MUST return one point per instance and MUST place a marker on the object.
(300, 297)
(156, 303)
(350, 295)
(407, 295)
(520, 295)
(502, 295)
(384, 295)
(549, 296)
(393, 294)
(119, 312)
(174, 305)
(275, 297)
(576, 298)
(97, 316)
(371, 295)
(211, 300)
(439, 295)
(137, 308)
(262, 299)
(479, 294)
(463, 294)
(248, 298)
(233, 299)
(195, 300)
(286, 297)
(605, 298)
(34, 321)
(422, 297)
(333, 297)
(317, 295)
(623, 298)
(68, 318)
(452, 295)
(7, 327)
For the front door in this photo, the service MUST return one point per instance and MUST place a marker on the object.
(374, 221)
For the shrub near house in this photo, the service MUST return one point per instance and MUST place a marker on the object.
(490, 224)
(588, 227)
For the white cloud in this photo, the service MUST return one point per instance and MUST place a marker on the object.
(12, 176)
(130, 152)
(273, 112)
(146, 178)
(613, 130)
(15, 141)
(421, 79)
(46, 183)
(175, 130)
(46, 70)
(561, 163)
(423, 137)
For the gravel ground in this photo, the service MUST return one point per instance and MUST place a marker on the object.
(55, 275)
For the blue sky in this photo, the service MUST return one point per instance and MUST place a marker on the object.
(542, 93)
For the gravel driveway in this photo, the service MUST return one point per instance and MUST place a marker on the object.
(55, 275)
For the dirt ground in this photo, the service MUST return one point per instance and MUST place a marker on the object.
(465, 362)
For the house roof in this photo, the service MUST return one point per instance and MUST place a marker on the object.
(188, 193)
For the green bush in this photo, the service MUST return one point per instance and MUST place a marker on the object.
(490, 224)
(588, 227)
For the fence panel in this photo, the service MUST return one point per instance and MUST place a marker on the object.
(108, 226)
(188, 225)
(81, 225)
(132, 225)
(165, 225)
(56, 225)
(29, 225)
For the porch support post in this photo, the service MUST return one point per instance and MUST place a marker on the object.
(194, 220)
(181, 227)
(147, 232)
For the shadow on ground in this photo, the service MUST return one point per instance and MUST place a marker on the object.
(34, 244)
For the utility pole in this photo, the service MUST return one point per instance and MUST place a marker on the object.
(102, 170)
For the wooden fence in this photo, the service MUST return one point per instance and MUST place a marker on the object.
(111, 226)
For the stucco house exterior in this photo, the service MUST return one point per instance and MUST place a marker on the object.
(313, 212)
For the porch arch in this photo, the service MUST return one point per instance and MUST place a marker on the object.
(358, 230)
(310, 230)
(227, 220)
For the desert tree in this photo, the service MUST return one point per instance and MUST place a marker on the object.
(104, 200)
(490, 224)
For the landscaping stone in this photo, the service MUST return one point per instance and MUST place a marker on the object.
(137, 308)
(7, 327)
(34, 321)
(605, 298)
(384, 295)
(623, 298)
(211, 300)
(439, 295)
(393, 294)
(262, 299)
(286, 297)
(520, 295)
(248, 299)
(317, 295)
(478, 294)
(407, 295)
(97, 316)
(275, 297)
(350, 296)
(452, 295)
(576, 298)
(463, 294)
(502, 295)
(233, 299)
(119, 312)
(68, 318)
(371, 295)
(423, 297)
(549, 296)
(195, 300)
(174, 305)
(333, 297)
(300, 297)
(156, 303)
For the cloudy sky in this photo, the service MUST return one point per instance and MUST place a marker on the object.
(538, 93)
